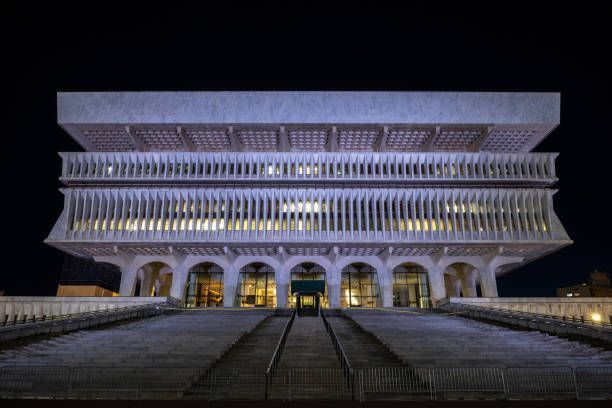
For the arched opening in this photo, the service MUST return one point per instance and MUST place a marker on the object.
(205, 286)
(154, 279)
(257, 286)
(359, 286)
(461, 280)
(410, 286)
(308, 271)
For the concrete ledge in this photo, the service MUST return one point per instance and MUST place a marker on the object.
(78, 322)
(576, 308)
(27, 308)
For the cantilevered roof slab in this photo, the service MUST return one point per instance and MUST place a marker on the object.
(313, 120)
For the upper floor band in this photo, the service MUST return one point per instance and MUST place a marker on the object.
(406, 168)
(324, 215)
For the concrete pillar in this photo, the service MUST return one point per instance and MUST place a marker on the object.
(148, 280)
(128, 280)
(468, 281)
(452, 285)
(436, 283)
(282, 276)
(488, 284)
(333, 276)
(385, 279)
(179, 282)
(456, 287)
(230, 280)
(165, 284)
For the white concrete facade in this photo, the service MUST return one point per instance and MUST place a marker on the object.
(444, 181)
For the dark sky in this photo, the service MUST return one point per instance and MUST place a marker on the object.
(115, 49)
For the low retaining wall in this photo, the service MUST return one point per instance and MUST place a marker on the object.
(77, 322)
(571, 307)
(19, 308)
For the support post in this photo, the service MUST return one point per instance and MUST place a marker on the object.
(333, 286)
(488, 282)
(179, 283)
(436, 283)
(128, 280)
(230, 280)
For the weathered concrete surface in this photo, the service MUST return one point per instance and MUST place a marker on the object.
(252, 107)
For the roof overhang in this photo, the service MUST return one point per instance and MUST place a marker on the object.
(123, 116)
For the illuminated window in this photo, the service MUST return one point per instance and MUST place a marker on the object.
(410, 286)
(257, 286)
(205, 286)
(359, 286)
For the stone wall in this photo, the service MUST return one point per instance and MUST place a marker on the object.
(27, 307)
(571, 307)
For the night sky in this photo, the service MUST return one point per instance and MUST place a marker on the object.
(116, 49)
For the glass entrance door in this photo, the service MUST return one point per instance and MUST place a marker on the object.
(307, 305)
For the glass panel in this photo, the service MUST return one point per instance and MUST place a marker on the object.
(205, 286)
(257, 287)
(359, 287)
(410, 286)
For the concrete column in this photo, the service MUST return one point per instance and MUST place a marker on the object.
(179, 282)
(457, 287)
(128, 281)
(385, 279)
(452, 285)
(282, 276)
(333, 275)
(230, 280)
(468, 282)
(148, 280)
(488, 284)
(436, 283)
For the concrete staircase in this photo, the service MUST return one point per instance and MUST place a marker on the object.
(309, 367)
(166, 351)
(240, 373)
(308, 346)
(362, 349)
(437, 340)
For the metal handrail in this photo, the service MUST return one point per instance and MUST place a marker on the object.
(509, 383)
(559, 319)
(344, 361)
(278, 351)
(68, 316)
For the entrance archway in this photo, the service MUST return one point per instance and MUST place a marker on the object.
(256, 286)
(359, 286)
(410, 286)
(308, 271)
(154, 279)
(205, 286)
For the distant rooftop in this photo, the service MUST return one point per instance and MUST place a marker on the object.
(308, 121)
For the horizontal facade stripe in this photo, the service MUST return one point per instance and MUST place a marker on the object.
(367, 214)
(537, 168)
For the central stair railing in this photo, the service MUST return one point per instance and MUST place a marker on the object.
(349, 374)
(277, 353)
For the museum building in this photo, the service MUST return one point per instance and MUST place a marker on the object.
(384, 198)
